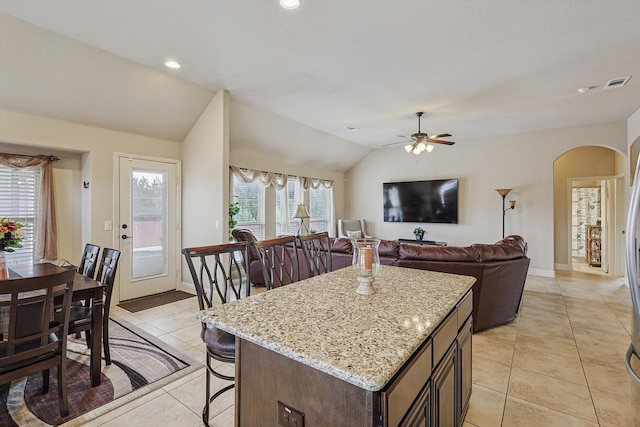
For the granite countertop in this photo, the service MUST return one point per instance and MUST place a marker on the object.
(323, 323)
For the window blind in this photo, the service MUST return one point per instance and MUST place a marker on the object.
(250, 198)
(19, 189)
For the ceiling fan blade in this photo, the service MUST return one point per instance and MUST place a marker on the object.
(440, 135)
(399, 142)
(439, 141)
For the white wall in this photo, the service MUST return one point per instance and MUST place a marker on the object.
(94, 147)
(206, 176)
(277, 144)
(523, 162)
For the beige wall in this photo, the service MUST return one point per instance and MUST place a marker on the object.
(205, 176)
(523, 162)
(88, 155)
(582, 162)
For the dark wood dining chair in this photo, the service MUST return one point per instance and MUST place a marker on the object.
(279, 260)
(89, 260)
(80, 317)
(31, 342)
(219, 273)
(316, 249)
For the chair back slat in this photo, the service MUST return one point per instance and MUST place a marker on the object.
(279, 260)
(107, 272)
(89, 260)
(27, 330)
(316, 249)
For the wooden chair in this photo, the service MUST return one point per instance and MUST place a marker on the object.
(279, 260)
(32, 343)
(316, 249)
(89, 260)
(218, 272)
(80, 317)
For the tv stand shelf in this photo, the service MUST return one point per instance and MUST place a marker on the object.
(422, 242)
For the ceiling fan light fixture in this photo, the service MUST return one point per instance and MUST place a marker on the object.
(416, 151)
(430, 148)
(408, 148)
(421, 146)
(289, 4)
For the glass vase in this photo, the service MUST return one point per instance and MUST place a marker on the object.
(366, 262)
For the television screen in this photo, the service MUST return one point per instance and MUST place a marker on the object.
(421, 201)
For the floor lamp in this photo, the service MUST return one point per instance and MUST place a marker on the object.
(302, 213)
(503, 192)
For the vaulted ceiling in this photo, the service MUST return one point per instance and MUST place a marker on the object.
(477, 68)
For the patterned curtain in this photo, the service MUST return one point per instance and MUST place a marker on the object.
(585, 211)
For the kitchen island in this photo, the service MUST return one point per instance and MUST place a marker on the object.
(399, 357)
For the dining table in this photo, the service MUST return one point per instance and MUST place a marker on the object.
(84, 288)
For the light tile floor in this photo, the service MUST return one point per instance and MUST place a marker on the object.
(560, 364)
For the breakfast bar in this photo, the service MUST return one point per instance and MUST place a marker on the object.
(316, 353)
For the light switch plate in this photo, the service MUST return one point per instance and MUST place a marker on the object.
(108, 225)
(289, 417)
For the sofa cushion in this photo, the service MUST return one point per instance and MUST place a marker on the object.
(341, 246)
(388, 248)
(438, 253)
(245, 235)
(497, 252)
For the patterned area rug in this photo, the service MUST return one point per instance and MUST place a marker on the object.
(140, 364)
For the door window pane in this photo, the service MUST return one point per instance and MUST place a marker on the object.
(149, 209)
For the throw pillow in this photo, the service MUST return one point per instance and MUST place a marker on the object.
(354, 234)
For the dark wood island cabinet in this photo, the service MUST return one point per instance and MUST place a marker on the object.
(401, 357)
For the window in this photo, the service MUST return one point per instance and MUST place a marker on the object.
(289, 196)
(19, 189)
(319, 209)
(250, 197)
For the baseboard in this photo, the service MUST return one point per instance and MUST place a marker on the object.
(542, 273)
(563, 267)
(187, 287)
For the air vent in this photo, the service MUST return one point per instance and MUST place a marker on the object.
(616, 83)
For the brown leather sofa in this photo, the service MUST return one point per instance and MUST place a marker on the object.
(500, 270)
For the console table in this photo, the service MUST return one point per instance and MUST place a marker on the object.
(422, 242)
(315, 353)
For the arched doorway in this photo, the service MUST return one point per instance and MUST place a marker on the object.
(589, 210)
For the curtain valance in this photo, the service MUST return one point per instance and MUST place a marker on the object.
(277, 180)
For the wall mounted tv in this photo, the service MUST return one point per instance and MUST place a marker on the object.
(433, 201)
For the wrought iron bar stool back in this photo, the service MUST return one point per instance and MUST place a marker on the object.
(316, 249)
(219, 274)
(279, 259)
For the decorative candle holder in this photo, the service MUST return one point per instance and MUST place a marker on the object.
(366, 262)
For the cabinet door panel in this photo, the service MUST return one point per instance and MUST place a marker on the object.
(464, 368)
(420, 414)
(445, 390)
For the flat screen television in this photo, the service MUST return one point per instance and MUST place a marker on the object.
(434, 201)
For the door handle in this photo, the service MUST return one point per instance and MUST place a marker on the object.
(125, 237)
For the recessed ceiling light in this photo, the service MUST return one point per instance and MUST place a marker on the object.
(172, 64)
(351, 129)
(289, 4)
(583, 90)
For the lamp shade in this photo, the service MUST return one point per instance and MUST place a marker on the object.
(504, 191)
(302, 212)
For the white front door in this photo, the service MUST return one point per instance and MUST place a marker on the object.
(148, 226)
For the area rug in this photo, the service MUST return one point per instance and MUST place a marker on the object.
(151, 301)
(140, 363)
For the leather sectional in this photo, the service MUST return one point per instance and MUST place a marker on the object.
(500, 270)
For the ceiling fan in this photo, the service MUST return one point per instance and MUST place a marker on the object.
(421, 142)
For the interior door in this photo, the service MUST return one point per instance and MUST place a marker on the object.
(148, 227)
(605, 209)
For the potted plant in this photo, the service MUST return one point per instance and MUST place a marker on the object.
(419, 233)
(234, 208)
